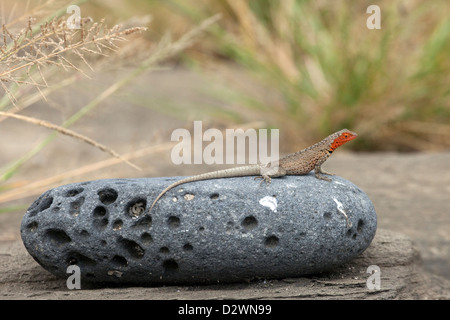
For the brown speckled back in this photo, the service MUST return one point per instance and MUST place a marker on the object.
(305, 160)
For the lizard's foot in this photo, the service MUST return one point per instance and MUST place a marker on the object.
(320, 176)
(319, 173)
(264, 178)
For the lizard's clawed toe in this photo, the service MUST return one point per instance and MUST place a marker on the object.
(265, 179)
(322, 177)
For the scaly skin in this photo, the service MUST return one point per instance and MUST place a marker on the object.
(299, 163)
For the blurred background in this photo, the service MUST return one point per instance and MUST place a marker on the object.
(308, 68)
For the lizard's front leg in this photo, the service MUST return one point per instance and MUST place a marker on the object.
(318, 172)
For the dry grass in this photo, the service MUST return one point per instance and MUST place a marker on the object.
(25, 55)
(17, 191)
(32, 54)
(69, 133)
(327, 71)
(29, 59)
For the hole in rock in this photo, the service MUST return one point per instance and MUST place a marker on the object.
(214, 196)
(229, 227)
(115, 273)
(75, 206)
(119, 261)
(107, 195)
(360, 226)
(73, 192)
(173, 222)
(46, 203)
(327, 215)
(188, 247)
(164, 250)
(32, 226)
(42, 203)
(133, 249)
(271, 242)
(189, 197)
(117, 225)
(170, 266)
(99, 212)
(249, 223)
(146, 237)
(57, 236)
(136, 207)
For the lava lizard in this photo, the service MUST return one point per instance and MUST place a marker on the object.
(298, 163)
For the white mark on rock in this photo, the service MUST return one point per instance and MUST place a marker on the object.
(337, 182)
(341, 209)
(269, 202)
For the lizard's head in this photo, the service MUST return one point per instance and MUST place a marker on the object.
(341, 137)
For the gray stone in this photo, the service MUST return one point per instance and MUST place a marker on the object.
(222, 230)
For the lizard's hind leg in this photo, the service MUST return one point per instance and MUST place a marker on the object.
(268, 173)
(264, 178)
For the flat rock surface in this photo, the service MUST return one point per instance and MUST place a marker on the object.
(398, 260)
(211, 231)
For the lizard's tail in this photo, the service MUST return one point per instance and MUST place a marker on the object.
(173, 185)
(226, 173)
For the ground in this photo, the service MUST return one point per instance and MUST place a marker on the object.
(410, 193)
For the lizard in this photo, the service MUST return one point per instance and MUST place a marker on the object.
(298, 163)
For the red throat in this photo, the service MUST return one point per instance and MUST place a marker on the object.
(343, 138)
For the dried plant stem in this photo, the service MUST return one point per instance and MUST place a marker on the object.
(69, 133)
(163, 50)
(48, 57)
(25, 53)
(37, 187)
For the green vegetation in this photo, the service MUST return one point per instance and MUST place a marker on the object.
(329, 71)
